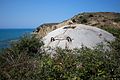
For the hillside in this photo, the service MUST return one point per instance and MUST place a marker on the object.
(98, 19)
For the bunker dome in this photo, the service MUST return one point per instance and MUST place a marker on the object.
(76, 36)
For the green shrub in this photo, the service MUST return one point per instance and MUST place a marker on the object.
(19, 61)
(84, 21)
(91, 15)
(117, 20)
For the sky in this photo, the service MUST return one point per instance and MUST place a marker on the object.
(32, 13)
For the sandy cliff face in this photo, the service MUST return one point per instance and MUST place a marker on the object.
(98, 19)
(44, 29)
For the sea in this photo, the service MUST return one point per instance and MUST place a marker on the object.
(9, 35)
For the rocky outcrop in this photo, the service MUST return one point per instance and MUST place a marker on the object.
(43, 29)
(98, 19)
(76, 36)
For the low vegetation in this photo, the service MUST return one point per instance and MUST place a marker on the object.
(117, 20)
(26, 59)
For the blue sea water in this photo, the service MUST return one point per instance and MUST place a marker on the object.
(7, 35)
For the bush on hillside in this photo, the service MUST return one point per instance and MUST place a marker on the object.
(83, 21)
(117, 20)
(19, 59)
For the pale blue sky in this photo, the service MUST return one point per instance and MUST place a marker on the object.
(32, 13)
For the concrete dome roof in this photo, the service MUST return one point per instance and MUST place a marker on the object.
(76, 36)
